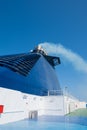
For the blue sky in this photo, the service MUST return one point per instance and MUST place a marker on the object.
(26, 23)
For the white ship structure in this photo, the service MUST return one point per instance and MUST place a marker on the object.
(29, 87)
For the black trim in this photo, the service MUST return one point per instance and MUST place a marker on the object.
(52, 60)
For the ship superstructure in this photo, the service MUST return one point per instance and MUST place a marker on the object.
(31, 72)
(29, 87)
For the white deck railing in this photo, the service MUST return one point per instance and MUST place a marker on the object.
(55, 92)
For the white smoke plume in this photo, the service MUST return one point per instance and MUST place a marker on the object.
(57, 49)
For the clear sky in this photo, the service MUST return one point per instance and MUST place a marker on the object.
(26, 23)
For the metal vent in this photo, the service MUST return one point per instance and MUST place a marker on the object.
(21, 63)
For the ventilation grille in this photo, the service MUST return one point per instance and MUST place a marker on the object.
(20, 63)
